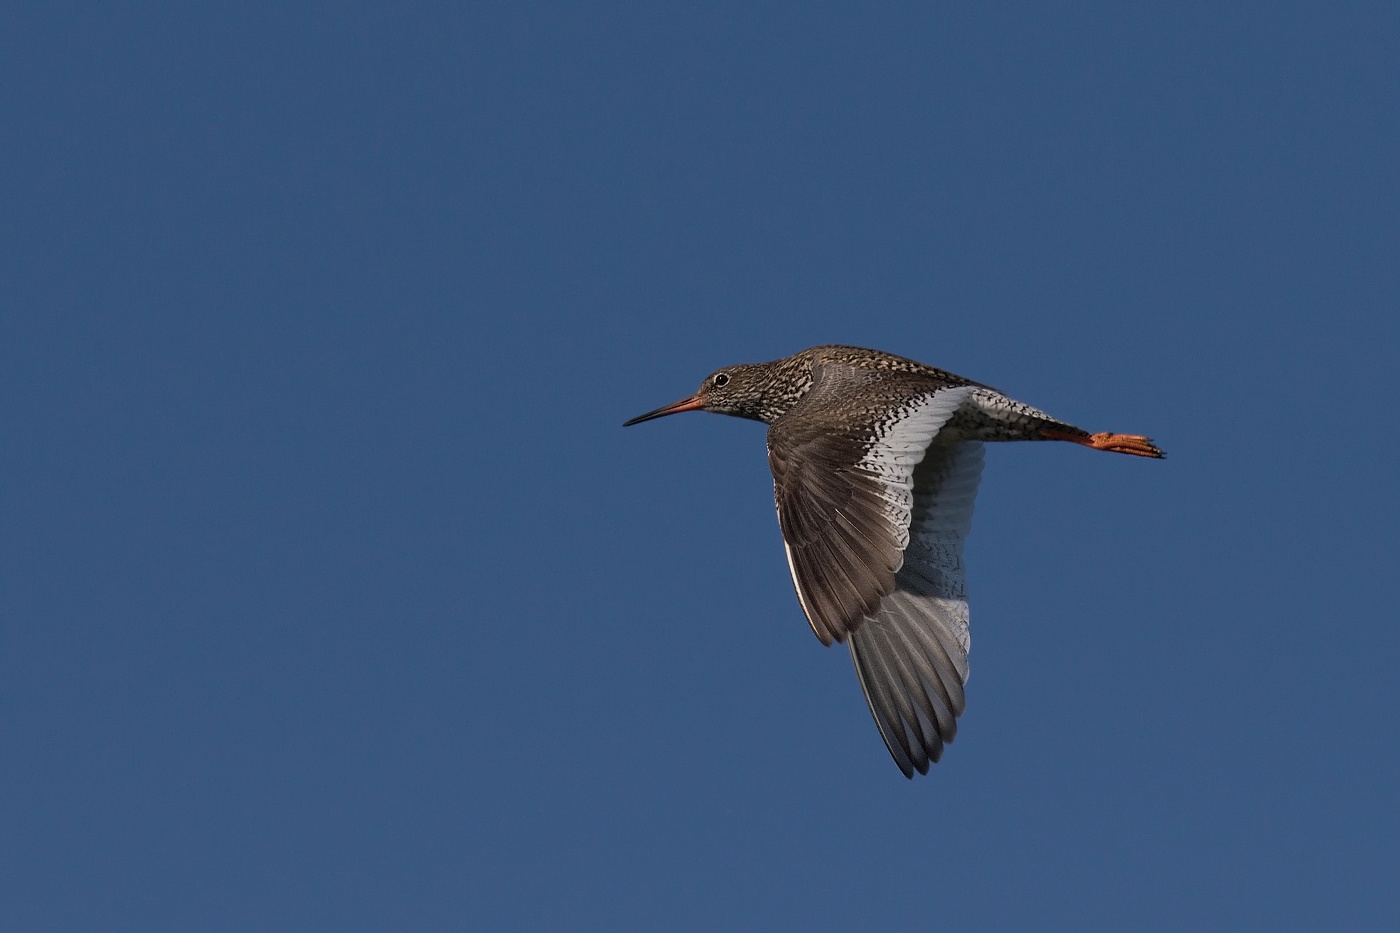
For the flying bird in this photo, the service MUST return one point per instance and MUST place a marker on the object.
(875, 462)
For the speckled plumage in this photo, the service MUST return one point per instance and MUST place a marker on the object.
(875, 461)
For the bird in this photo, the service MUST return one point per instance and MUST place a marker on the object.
(875, 461)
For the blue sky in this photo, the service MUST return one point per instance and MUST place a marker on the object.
(336, 598)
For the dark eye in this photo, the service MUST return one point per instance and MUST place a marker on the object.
(721, 380)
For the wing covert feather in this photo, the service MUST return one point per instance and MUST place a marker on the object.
(843, 462)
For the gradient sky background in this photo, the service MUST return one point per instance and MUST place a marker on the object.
(336, 598)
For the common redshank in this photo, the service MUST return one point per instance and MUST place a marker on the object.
(875, 462)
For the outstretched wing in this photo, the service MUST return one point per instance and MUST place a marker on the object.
(911, 656)
(843, 462)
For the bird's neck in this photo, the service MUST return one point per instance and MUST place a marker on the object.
(788, 381)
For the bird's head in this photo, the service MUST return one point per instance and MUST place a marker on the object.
(746, 390)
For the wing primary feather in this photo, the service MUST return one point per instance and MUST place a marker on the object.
(898, 706)
(926, 682)
(880, 709)
(936, 722)
(923, 631)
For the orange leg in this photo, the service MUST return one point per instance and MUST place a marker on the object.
(1134, 444)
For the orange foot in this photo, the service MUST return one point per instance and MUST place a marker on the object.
(1134, 444)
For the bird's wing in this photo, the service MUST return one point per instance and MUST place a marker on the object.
(911, 656)
(845, 494)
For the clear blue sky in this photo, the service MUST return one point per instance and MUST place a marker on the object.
(335, 597)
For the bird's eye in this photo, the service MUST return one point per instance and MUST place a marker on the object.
(721, 380)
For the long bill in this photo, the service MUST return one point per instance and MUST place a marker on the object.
(694, 403)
